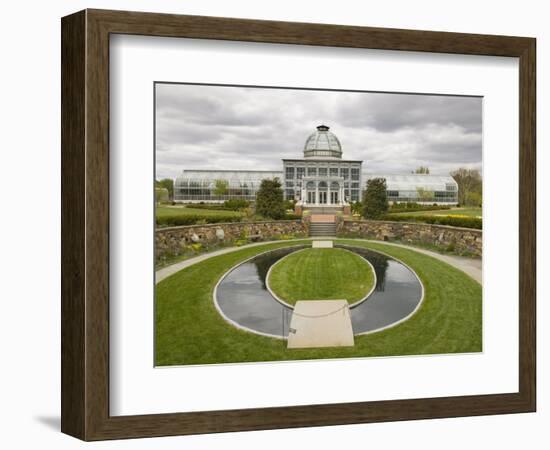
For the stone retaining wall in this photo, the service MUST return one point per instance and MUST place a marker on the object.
(177, 240)
(450, 238)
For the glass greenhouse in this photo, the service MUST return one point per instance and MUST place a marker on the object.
(321, 178)
(196, 186)
(419, 188)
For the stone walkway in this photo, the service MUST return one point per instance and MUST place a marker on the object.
(320, 323)
(165, 272)
(470, 266)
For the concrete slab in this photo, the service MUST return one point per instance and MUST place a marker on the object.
(320, 323)
(322, 244)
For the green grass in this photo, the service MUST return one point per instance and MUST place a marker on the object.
(189, 330)
(322, 274)
(169, 211)
(469, 212)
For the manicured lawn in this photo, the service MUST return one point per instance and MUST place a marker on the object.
(189, 329)
(321, 274)
(164, 211)
(470, 212)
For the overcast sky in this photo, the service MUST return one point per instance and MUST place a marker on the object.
(225, 127)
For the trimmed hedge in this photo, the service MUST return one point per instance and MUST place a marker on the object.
(414, 207)
(236, 204)
(290, 216)
(194, 219)
(453, 221)
(179, 220)
(212, 207)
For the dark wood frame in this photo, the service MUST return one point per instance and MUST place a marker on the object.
(85, 224)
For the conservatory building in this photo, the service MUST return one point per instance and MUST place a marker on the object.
(321, 178)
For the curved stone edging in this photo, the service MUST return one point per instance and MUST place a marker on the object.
(451, 260)
(268, 285)
(353, 305)
(358, 302)
(413, 312)
(220, 311)
(284, 304)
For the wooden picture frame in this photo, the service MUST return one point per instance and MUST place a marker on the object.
(85, 224)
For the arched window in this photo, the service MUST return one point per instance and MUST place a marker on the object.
(310, 186)
(323, 186)
(334, 186)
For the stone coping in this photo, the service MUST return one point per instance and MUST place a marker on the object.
(218, 224)
(392, 222)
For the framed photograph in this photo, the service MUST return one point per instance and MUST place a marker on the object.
(273, 225)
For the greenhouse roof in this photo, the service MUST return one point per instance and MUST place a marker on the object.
(413, 181)
(241, 175)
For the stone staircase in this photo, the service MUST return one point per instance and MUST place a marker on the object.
(322, 225)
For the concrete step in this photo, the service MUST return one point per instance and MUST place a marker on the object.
(322, 229)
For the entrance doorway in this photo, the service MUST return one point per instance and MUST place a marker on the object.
(323, 190)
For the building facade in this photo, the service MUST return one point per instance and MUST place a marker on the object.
(322, 178)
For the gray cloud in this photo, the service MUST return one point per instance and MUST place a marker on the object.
(223, 127)
(390, 112)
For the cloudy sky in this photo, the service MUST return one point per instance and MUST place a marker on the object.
(226, 127)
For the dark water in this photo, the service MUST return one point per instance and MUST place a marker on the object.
(244, 299)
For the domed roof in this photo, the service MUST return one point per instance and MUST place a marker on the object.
(322, 144)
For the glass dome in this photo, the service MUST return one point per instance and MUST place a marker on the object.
(323, 144)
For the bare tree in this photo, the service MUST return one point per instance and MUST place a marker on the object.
(469, 181)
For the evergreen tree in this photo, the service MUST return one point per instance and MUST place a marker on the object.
(269, 199)
(375, 201)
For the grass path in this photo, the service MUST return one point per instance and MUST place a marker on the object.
(322, 274)
(189, 330)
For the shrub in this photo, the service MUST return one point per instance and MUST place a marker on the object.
(236, 204)
(289, 204)
(290, 216)
(208, 206)
(180, 220)
(413, 207)
(451, 247)
(453, 221)
(356, 208)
